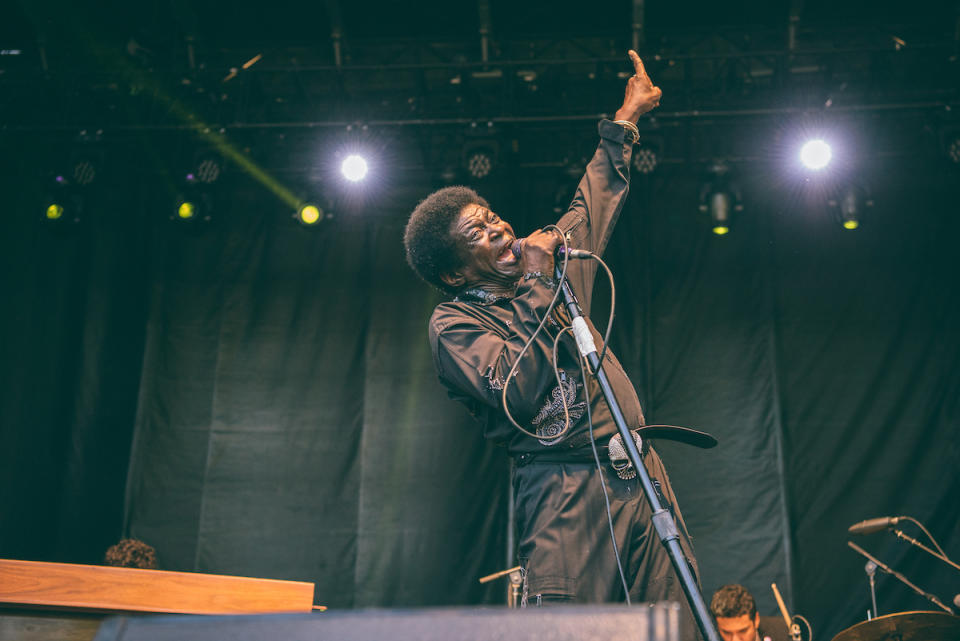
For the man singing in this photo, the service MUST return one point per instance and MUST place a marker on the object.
(501, 291)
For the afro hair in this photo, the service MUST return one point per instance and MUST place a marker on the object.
(431, 250)
(132, 553)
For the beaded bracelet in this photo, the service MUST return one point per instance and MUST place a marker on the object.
(631, 127)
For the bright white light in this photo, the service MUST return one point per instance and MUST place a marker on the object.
(354, 168)
(815, 154)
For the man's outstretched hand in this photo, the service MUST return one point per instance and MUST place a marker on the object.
(641, 96)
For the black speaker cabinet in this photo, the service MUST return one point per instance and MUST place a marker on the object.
(642, 622)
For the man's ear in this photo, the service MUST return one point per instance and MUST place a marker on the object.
(454, 280)
(756, 620)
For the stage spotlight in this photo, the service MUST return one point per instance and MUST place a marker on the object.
(192, 211)
(479, 156)
(720, 206)
(186, 210)
(193, 207)
(309, 214)
(354, 168)
(84, 172)
(208, 170)
(63, 204)
(849, 207)
(63, 212)
(479, 164)
(815, 154)
(953, 150)
(720, 198)
(645, 160)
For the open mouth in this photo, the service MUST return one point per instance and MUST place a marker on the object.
(507, 257)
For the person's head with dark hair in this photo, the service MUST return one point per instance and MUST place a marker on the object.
(429, 238)
(131, 553)
(735, 612)
(455, 242)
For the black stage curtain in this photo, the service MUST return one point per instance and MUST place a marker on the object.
(260, 400)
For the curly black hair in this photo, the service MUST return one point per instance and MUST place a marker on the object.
(132, 553)
(430, 247)
(731, 601)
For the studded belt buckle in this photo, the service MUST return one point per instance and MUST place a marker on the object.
(618, 455)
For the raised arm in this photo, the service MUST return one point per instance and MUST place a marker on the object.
(603, 189)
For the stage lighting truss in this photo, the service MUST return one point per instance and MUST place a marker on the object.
(850, 204)
(720, 198)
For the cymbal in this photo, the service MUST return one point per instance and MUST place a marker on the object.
(905, 626)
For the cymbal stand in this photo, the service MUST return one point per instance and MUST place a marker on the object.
(871, 569)
(515, 576)
(930, 597)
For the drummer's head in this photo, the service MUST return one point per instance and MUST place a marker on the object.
(736, 614)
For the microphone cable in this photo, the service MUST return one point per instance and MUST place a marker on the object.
(603, 486)
(556, 368)
(584, 368)
(929, 536)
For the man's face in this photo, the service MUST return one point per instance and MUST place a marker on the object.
(741, 628)
(483, 243)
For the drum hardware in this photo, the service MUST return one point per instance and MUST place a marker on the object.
(515, 576)
(871, 570)
(791, 622)
(882, 566)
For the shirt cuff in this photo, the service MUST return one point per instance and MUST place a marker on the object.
(613, 132)
(543, 278)
(535, 291)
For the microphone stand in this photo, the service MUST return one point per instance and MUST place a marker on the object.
(930, 597)
(662, 520)
(913, 541)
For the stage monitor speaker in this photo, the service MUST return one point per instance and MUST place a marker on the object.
(659, 622)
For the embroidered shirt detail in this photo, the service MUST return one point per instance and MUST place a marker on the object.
(494, 382)
(546, 280)
(550, 420)
(479, 296)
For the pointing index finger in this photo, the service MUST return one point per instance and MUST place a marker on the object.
(637, 64)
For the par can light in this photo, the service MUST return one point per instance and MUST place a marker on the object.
(309, 214)
(186, 210)
(815, 154)
(354, 168)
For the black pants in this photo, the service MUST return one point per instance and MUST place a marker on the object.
(564, 537)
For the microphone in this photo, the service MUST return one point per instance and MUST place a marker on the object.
(874, 525)
(559, 252)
